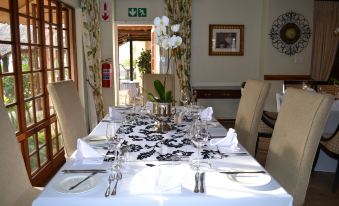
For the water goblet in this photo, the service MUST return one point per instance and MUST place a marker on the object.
(199, 139)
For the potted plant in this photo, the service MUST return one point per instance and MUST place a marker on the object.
(144, 62)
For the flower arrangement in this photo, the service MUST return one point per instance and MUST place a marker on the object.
(166, 37)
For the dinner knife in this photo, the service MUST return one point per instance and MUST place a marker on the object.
(79, 183)
(84, 171)
(242, 172)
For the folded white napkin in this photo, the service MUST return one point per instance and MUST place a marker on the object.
(230, 141)
(206, 114)
(158, 179)
(87, 154)
(114, 114)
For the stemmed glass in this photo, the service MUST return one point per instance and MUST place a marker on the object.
(200, 136)
(114, 141)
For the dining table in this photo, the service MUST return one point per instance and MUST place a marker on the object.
(156, 169)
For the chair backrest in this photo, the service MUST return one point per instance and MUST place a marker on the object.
(295, 139)
(249, 113)
(148, 86)
(13, 176)
(70, 113)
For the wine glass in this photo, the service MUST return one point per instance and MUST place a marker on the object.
(200, 136)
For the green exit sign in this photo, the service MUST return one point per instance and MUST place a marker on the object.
(137, 12)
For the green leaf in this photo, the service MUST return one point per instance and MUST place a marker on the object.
(160, 89)
(168, 97)
(151, 97)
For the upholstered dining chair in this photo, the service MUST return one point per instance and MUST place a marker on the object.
(249, 113)
(70, 113)
(16, 189)
(330, 145)
(148, 86)
(295, 139)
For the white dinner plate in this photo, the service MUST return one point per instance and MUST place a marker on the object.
(251, 179)
(68, 181)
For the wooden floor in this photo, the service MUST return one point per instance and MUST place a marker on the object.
(319, 190)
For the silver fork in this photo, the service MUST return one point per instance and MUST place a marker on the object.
(118, 177)
(111, 178)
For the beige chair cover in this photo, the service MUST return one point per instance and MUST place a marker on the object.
(148, 86)
(70, 113)
(295, 139)
(15, 189)
(249, 113)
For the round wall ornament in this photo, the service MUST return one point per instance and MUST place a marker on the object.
(290, 33)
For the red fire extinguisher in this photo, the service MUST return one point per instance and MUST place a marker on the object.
(106, 75)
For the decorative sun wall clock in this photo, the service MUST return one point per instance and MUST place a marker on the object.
(290, 33)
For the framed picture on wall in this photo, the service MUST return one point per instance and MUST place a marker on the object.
(226, 40)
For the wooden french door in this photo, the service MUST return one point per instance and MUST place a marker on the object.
(36, 48)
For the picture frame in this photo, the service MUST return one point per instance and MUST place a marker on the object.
(226, 40)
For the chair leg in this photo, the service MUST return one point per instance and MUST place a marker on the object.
(316, 158)
(336, 179)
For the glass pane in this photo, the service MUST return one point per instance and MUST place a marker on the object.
(64, 18)
(47, 35)
(60, 140)
(65, 54)
(8, 86)
(46, 10)
(27, 85)
(23, 29)
(54, 12)
(37, 80)
(36, 59)
(33, 8)
(43, 155)
(48, 58)
(50, 76)
(5, 26)
(57, 75)
(33, 162)
(35, 31)
(51, 108)
(6, 58)
(41, 138)
(25, 65)
(54, 146)
(56, 57)
(29, 113)
(55, 35)
(4, 4)
(12, 113)
(53, 130)
(31, 144)
(64, 39)
(66, 72)
(39, 109)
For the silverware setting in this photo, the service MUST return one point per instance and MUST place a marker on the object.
(79, 183)
(70, 171)
(118, 177)
(202, 182)
(196, 188)
(111, 178)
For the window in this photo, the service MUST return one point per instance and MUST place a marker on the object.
(36, 48)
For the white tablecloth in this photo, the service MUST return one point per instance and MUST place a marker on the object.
(168, 185)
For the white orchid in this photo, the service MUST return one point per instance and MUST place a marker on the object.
(163, 31)
(175, 27)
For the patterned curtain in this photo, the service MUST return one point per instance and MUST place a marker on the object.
(180, 12)
(91, 45)
(326, 20)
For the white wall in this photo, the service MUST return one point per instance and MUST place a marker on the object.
(219, 70)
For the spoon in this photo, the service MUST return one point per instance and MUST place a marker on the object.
(110, 180)
(118, 177)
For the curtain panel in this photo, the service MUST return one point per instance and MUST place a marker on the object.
(325, 42)
(92, 52)
(180, 12)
